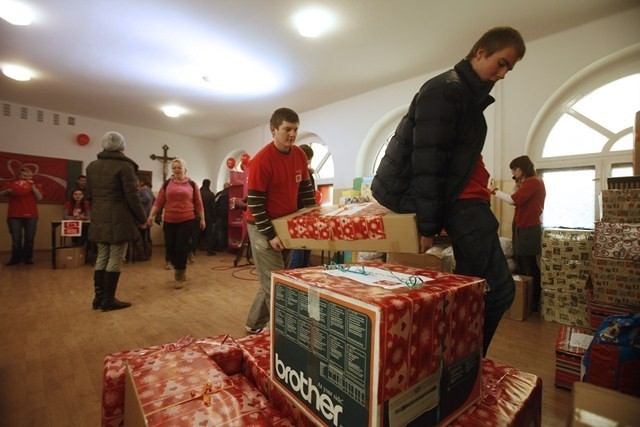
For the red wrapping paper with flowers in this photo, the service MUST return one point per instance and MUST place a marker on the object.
(221, 349)
(256, 368)
(510, 398)
(415, 321)
(348, 222)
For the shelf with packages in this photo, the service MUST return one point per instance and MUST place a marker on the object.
(237, 225)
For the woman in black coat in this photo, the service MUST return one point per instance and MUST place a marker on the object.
(115, 211)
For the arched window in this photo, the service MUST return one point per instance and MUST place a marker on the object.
(584, 135)
(322, 165)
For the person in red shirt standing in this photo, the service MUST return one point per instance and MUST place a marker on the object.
(528, 198)
(22, 215)
(278, 174)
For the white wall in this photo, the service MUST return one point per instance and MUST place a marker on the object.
(343, 125)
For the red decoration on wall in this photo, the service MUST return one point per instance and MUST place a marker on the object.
(82, 139)
(231, 162)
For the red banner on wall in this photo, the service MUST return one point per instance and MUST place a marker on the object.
(51, 173)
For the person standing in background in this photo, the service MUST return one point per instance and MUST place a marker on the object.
(22, 215)
(78, 208)
(81, 183)
(115, 212)
(209, 206)
(180, 198)
(278, 175)
(528, 198)
(146, 198)
(300, 257)
(222, 217)
(433, 167)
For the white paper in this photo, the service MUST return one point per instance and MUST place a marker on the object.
(580, 340)
(379, 277)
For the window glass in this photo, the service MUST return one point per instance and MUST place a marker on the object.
(322, 161)
(618, 170)
(570, 198)
(624, 143)
(621, 98)
(571, 136)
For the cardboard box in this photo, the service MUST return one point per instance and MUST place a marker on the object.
(363, 227)
(430, 261)
(70, 257)
(621, 205)
(361, 348)
(616, 281)
(521, 307)
(571, 345)
(595, 406)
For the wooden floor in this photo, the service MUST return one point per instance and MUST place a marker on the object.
(53, 343)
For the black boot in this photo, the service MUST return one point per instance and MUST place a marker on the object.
(110, 284)
(98, 286)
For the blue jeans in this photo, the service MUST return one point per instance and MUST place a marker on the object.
(22, 250)
(476, 247)
(300, 258)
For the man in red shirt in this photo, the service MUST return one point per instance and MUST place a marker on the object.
(22, 213)
(278, 174)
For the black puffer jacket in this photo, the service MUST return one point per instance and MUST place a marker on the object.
(115, 202)
(435, 148)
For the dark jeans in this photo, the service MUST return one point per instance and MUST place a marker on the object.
(177, 241)
(22, 246)
(221, 234)
(476, 247)
(210, 235)
(300, 258)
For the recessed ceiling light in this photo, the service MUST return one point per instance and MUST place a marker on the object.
(15, 13)
(173, 110)
(17, 73)
(313, 22)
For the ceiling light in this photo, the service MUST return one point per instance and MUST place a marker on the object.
(15, 13)
(313, 22)
(17, 73)
(173, 110)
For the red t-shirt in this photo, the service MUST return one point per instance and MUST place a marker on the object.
(278, 175)
(478, 182)
(22, 201)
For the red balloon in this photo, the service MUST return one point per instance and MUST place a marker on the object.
(82, 139)
(231, 163)
(244, 159)
(318, 197)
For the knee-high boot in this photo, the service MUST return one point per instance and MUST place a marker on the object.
(109, 302)
(98, 286)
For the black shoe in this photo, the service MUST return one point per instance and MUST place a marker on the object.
(28, 261)
(13, 262)
(114, 304)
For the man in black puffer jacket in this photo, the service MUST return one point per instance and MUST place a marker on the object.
(433, 166)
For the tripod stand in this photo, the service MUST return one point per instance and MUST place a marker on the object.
(245, 248)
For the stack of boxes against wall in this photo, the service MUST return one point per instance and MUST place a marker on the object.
(589, 275)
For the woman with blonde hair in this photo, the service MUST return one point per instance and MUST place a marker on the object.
(181, 200)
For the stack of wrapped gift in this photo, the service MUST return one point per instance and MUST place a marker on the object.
(599, 310)
(565, 268)
(571, 346)
(510, 397)
(377, 343)
(184, 384)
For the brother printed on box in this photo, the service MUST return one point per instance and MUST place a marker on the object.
(365, 347)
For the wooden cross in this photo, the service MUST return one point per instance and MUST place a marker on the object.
(164, 159)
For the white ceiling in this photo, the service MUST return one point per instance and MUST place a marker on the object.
(121, 60)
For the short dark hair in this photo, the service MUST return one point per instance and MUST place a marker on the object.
(525, 164)
(80, 177)
(283, 115)
(307, 150)
(499, 38)
(206, 183)
(144, 180)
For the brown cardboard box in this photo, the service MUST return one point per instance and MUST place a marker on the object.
(430, 261)
(365, 227)
(70, 257)
(595, 406)
(521, 306)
